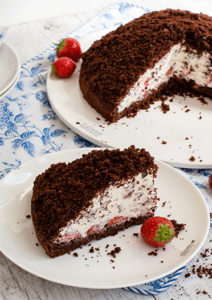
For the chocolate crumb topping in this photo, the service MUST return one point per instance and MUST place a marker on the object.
(192, 158)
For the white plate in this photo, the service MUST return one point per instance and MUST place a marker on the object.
(10, 88)
(10, 67)
(143, 130)
(184, 202)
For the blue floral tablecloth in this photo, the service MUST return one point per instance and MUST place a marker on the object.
(30, 128)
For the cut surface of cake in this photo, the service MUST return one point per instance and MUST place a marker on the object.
(93, 197)
(160, 53)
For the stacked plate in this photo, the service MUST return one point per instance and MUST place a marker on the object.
(10, 69)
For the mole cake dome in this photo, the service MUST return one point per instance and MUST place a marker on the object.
(160, 53)
(92, 197)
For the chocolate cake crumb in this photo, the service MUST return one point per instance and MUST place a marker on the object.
(91, 250)
(187, 275)
(98, 119)
(135, 234)
(77, 123)
(37, 244)
(89, 244)
(112, 260)
(75, 254)
(107, 246)
(192, 158)
(164, 107)
(163, 142)
(186, 138)
(113, 267)
(201, 99)
(163, 204)
(154, 253)
(162, 261)
(114, 252)
(178, 227)
(28, 216)
(97, 249)
(158, 137)
(187, 110)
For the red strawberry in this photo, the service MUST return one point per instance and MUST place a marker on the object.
(157, 231)
(147, 82)
(93, 229)
(63, 67)
(169, 71)
(116, 220)
(69, 47)
(70, 236)
(210, 181)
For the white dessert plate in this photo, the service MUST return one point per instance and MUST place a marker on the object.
(133, 265)
(10, 88)
(184, 128)
(10, 67)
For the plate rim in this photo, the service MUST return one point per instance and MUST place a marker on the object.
(117, 285)
(7, 88)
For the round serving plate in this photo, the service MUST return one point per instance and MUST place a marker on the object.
(178, 137)
(133, 265)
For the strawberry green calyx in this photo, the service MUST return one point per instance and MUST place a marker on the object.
(164, 234)
(60, 45)
(53, 70)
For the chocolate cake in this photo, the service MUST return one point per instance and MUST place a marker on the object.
(160, 53)
(93, 197)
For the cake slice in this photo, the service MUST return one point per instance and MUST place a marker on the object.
(160, 53)
(93, 197)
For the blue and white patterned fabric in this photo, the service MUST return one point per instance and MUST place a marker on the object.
(157, 286)
(29, 127)
(3, 31)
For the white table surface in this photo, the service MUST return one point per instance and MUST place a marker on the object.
(30, 39)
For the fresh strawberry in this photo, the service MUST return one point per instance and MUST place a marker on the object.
(210, 181)
(70, 236)
(116, 220)
(157, 231)
(93, 229)
(147, 82)
(69, 47)
(169, 71)
(63, 67)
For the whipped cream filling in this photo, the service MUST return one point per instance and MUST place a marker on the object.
(178, 62)
(128, 199)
